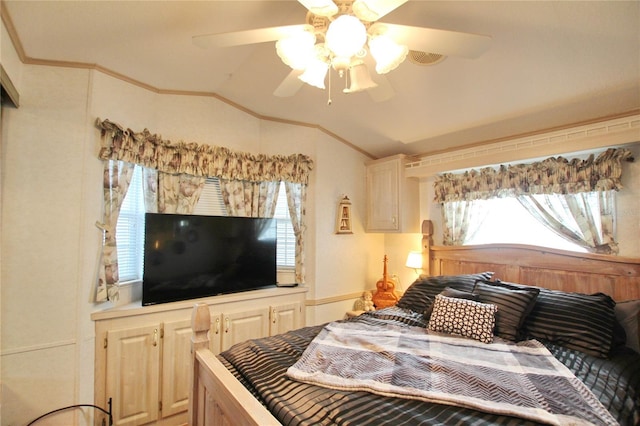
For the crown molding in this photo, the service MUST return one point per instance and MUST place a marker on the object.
(587, 136)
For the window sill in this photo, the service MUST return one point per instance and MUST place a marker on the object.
(129, 292)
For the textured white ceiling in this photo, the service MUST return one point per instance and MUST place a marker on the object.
(551, 63)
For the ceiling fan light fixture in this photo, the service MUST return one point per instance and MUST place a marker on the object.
(360, 78)
(315, 73)
(346, 36)
(340, 64)
(297, 50)
(325, 8)
(362, 10)
(387, 53)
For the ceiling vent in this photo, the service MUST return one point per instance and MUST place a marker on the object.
(423, 58)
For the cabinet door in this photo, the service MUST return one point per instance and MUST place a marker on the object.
(383, 196)
(241, 326)
(133, 365)
(176, 367)
(284, 317)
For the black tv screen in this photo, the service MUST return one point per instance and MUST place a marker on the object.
(191, 256)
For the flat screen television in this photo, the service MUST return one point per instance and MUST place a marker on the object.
(191, 256)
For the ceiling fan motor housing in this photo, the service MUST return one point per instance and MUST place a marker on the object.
(321, 24)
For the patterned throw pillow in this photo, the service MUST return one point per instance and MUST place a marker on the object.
(463, 317)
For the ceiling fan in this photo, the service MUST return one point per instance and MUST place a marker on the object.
(346, 35)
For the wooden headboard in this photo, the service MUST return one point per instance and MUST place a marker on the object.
(616, 276)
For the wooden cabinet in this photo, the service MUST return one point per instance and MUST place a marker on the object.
(284, 317)
(176, 367)
(133, 359)
(134, 375)
(227, 329)
(240, 326)
(393, 203)
(143, 354)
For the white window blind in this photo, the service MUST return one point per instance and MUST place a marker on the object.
(210, 202)
(286, 250)
(130, 231)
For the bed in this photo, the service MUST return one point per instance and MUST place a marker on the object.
(562, 350)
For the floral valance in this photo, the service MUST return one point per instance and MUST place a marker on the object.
(150, 150)
(555, 175)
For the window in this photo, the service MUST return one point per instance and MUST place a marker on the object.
(286, 250)
(130, 231)
(507, 221)
(211, 202)
(130, 227)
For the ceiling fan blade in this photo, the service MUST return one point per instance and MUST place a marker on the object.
(448, 43)
(238, 38)
(372, 10)
(290, 85)
(320, 7)
(383, 91)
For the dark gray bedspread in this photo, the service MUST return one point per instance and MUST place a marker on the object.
(261, 365)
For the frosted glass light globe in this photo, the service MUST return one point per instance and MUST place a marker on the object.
(296, 51)
(346, 36)
(387, 54)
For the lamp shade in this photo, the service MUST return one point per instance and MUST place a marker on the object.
(296, 51)
(387, 53)
(315, 73)
(320, 7)
(364, 12)
(414, 260)
(360, 78)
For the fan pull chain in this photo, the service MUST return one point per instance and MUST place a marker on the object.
(346, 83)
(329, 101)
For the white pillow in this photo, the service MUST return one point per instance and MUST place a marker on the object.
(463, 317)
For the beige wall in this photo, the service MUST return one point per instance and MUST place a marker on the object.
(51, 197)
(44, 149)
(628, 207)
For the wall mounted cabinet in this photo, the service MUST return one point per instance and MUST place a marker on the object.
(393, 203)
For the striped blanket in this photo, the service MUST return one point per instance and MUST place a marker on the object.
(522, 380)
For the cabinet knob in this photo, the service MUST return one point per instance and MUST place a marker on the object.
(217, 326)
(274, 315)
(155, 337)
(226, 325)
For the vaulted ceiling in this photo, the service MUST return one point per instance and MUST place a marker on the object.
(550, 64)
